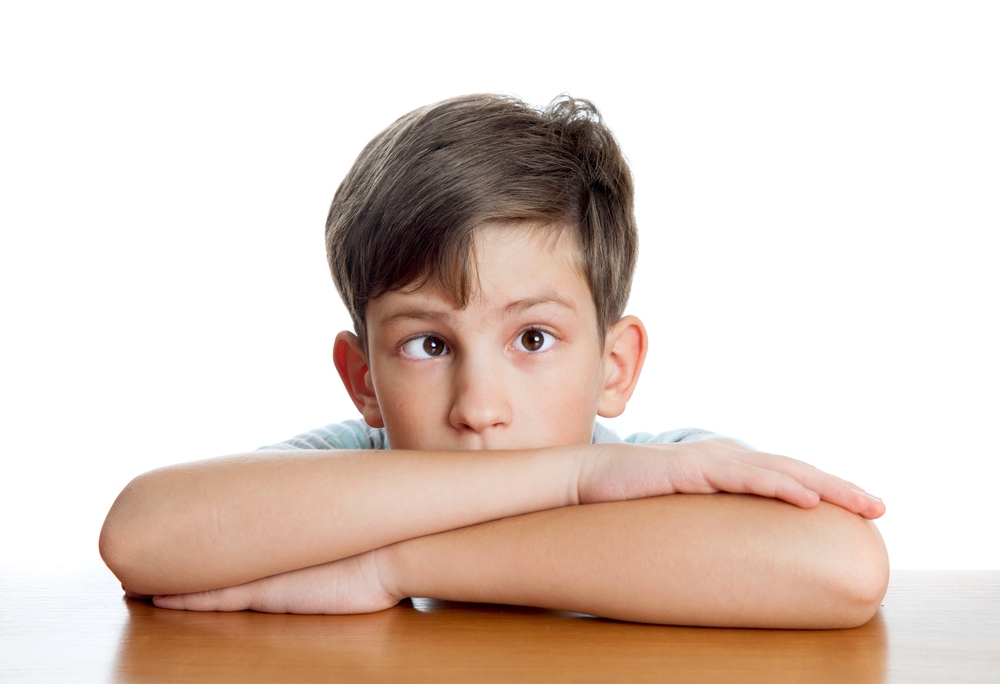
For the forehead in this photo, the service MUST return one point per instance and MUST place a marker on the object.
(547, 252)
(513, 266)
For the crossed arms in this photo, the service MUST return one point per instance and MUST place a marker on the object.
(342, 532)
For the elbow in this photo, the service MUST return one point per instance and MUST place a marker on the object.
(113, 542)
(861, 576)
(120, 541)
(114, 548)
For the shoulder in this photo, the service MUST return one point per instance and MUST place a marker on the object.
(351, 434)
(605, 435)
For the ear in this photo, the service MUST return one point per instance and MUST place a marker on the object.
(352, 364)
(624, 352)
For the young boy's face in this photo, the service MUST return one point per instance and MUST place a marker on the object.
(520, 367)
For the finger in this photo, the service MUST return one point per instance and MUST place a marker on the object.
(830, 488)
(836, 491)
(744, 478)
(225, 600)
(875, 510)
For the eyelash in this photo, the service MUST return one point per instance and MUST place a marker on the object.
(418, 351)
(413, 350)
(547, 342)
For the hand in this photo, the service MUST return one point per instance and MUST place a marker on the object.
(634, 471)
(349, 585)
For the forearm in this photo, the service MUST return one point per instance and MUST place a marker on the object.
(230, 521)
(720, 560)
(227, 521)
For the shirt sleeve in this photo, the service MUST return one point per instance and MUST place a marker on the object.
(603, 435)
(356, 434)
(351, 434)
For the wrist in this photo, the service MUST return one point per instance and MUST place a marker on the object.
(574, 463)
(387, 560)
(592, 474)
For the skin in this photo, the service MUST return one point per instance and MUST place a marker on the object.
(483, 388)
(490, 412)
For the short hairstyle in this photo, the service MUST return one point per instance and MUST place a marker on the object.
(407, 211)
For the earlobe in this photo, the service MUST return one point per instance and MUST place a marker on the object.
(352, 365)
(624, 353)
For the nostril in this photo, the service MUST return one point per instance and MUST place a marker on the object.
(479, 416)
(479, 402)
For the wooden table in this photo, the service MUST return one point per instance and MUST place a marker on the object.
(76, 626)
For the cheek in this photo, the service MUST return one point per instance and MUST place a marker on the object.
(410, 411)
(562, 406)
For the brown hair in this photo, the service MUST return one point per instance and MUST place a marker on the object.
(408, 208)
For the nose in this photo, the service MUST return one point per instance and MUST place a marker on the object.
(480, 402)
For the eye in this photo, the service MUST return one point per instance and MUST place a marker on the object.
(534, 341)
(426, 347)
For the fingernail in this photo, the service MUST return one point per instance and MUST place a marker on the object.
(873, 497)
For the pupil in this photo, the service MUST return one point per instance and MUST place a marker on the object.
(532, 340)
(433, 346)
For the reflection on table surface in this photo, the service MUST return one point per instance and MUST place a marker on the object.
(434, 641)
(76, 626)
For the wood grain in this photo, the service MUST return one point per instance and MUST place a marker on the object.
(75, 626)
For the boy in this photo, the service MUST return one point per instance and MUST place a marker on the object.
(485, 252)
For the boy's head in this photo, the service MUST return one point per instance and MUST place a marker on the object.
(485, 252)
(408, 209)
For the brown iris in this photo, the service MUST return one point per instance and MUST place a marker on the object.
(533, 340)
(433, 346)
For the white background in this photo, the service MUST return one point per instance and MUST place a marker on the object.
(818, 198)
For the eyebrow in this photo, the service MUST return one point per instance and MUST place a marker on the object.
(544, 298)
(509, 309)
(415, 313)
